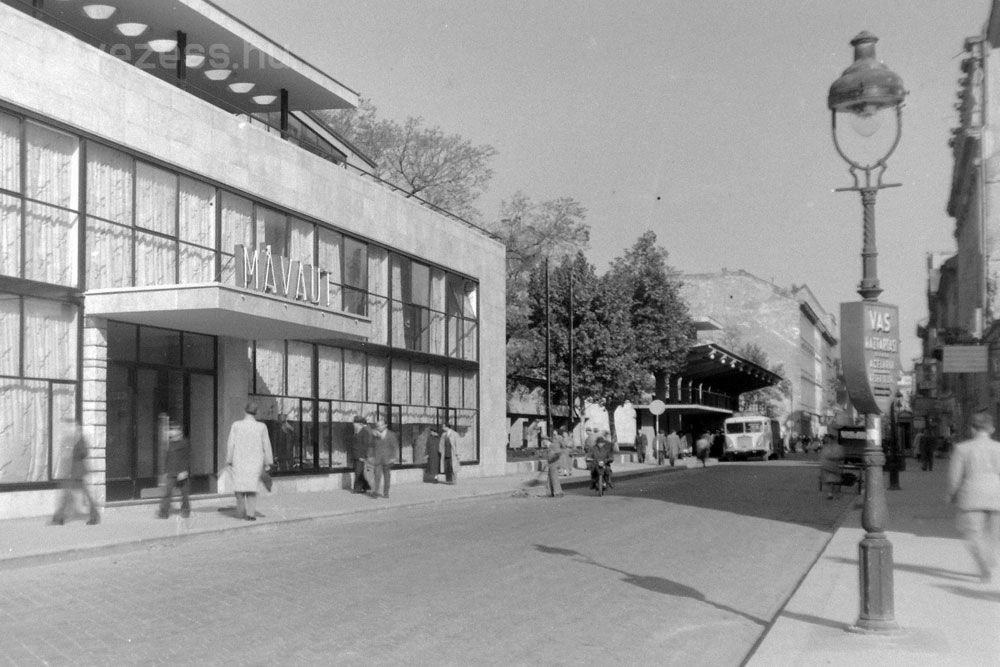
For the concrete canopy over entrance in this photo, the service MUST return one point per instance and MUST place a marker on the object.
(222, 310)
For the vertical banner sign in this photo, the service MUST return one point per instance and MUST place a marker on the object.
(869, 338)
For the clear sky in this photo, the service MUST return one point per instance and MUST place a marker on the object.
(703, 120)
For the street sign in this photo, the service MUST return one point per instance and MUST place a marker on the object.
(869, 335)
(657, 407)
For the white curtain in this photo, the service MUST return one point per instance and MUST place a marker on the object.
(331, 372)
(109, 184)
(400, 382)
(271, 367)
(10, 334)
(455, 382)
(271, 229)
(418, 385)
(300, 241)
(398, 320)
(52, 166)
(155, 199)
(51, 233)
(300, 369)
(197, 212)
(354, 375)
(109, 254)
(10, 152)
(24, 431)
(51, 328)
(155, 260)
(471, 395)
(437, 312)
(10, 235)
(378, 286)
(435, 386)
(237, 229)
(378, 379)
(329, 261)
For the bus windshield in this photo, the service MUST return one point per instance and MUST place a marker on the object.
(745, 427)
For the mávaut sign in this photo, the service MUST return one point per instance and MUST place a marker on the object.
(869, 334)
(262, 271)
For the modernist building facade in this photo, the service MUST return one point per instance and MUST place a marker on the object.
(165, 249)
(789, 325)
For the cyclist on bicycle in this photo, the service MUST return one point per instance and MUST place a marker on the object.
(602, 451)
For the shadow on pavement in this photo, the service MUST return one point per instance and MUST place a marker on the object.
(917, 569)
(654, 584)
(775, 490)
(976, 594)
(814, 620)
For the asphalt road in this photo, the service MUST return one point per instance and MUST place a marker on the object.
(686, 568)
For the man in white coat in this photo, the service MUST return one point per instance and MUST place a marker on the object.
(974, 485)
(249, 455)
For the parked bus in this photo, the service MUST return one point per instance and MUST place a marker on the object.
(751, 435)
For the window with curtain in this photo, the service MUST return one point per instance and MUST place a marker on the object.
(155, 260)
(330, 369)
(51, 326)
(10, 235)
(24, 431)
(52, 177)
(109, 254)
(400, 381)
(155, 199)
(355, 375)
(378, 288)
(196, 227)
(10, 152)
(300, 241)
(300, 367)
(378, 379)
(272, 229)
(109, 184)
(10, 333)
(355, 276)
(437, 322)
(330, 243)
(237, 229)
(270, 367)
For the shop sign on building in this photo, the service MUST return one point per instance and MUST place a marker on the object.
(964, 359)
(869, 333)
(262, 271)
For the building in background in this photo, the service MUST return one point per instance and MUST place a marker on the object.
(788, 325)
(179, 234)
(960, 367)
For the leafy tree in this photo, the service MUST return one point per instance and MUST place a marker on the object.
(772, 400)
(445, 170)
(659, 317)
(532, 233)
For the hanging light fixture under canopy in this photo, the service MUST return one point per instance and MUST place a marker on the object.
(99, 12)
(162, 45)
(131, 29)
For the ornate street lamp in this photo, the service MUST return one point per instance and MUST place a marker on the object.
(870, 96)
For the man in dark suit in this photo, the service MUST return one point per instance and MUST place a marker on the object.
(359, 450)
(382, 453)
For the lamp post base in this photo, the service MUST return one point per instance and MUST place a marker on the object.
(875, 563)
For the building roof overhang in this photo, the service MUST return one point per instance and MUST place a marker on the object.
(225, 42)
(223, 310)
(715, 365)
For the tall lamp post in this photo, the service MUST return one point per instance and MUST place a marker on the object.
(868, 94)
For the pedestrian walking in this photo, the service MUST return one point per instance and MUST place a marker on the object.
(660, 447)
(383, 452)
(640, 446)
(177, 471)
(974, 486)
(449, 453)
(927, 446)
(76, 448)
(553, 455)
(831, 460)
(360, 444)
(563, 441)
(701, 448)
(248, 457)
(674, 446)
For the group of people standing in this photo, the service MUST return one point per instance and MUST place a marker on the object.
(375, 448)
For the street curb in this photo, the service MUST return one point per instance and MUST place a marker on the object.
(852, 506)
(79, 553)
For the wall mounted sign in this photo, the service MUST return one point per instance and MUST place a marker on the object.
(964, 359)
(262, 271)
(869, 337)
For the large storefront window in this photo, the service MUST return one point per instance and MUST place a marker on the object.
(38, 387)
(311, 430)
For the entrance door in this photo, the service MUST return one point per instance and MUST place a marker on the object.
(137, 396)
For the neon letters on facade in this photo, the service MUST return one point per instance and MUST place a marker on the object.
(263, 271)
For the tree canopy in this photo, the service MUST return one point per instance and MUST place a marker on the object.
(445, 170)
